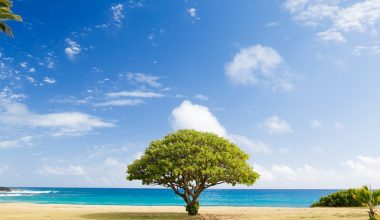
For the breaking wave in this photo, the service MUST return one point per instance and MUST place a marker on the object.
(17, 192)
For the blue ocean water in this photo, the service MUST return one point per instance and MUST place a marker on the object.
(165, 197)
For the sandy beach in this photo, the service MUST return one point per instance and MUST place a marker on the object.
(22, 211)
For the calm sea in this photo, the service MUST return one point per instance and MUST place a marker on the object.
(165, 197)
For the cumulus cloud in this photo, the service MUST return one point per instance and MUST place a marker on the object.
(198, 117)
(62, 123)
(364, 167)
(258, 64)
(137, 94)
(118, 14)
(276, 125)
(15, 143)
(72, 49)
(356, 17)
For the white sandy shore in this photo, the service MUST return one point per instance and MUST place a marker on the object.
(18, 211)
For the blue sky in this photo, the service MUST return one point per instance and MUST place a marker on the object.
(86, 86)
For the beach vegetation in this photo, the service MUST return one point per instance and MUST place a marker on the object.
(371, 199)
(189, 161)
(358, 197)
(343, 198)
(7, 14)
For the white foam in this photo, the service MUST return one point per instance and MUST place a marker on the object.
(18, 192)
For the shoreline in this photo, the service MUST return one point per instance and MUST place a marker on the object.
(168, 206)
(33, 211)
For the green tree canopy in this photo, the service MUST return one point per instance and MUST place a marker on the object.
(7, 14)
(189, 162)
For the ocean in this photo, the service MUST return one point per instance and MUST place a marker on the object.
(165, 197)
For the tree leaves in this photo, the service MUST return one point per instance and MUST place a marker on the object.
(190, 161)
(196, 156)
(7, 14)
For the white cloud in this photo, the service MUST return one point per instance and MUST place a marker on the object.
(364, 167)
(363, 170)
(357, 17)
(201, 97)
(198, 117)
(49, 80)
(114, 171)
(137, 94)
(20, 142)
(73, 49)
(273, 24)
(30, 79)
(112, 162)
(71, 170)
(118, 14)
(62, 123)
(373, 50)
(257, 63)
(331, 35)
(144, 79)
(24, 64)
(249, 145)
(8, 95)
(315, 123)
(121, 102)
(286, 173)
(276, 125)
(192, 12)
(295, 5)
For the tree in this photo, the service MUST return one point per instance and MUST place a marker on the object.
(370, 198)
(7, 14)
(189, 161)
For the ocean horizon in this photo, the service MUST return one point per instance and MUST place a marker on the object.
(297, 198)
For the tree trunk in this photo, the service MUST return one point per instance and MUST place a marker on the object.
(372, 214)
(192, 207)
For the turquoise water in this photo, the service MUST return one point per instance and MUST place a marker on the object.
(165, 197)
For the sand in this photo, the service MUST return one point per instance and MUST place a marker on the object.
(26, 211)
